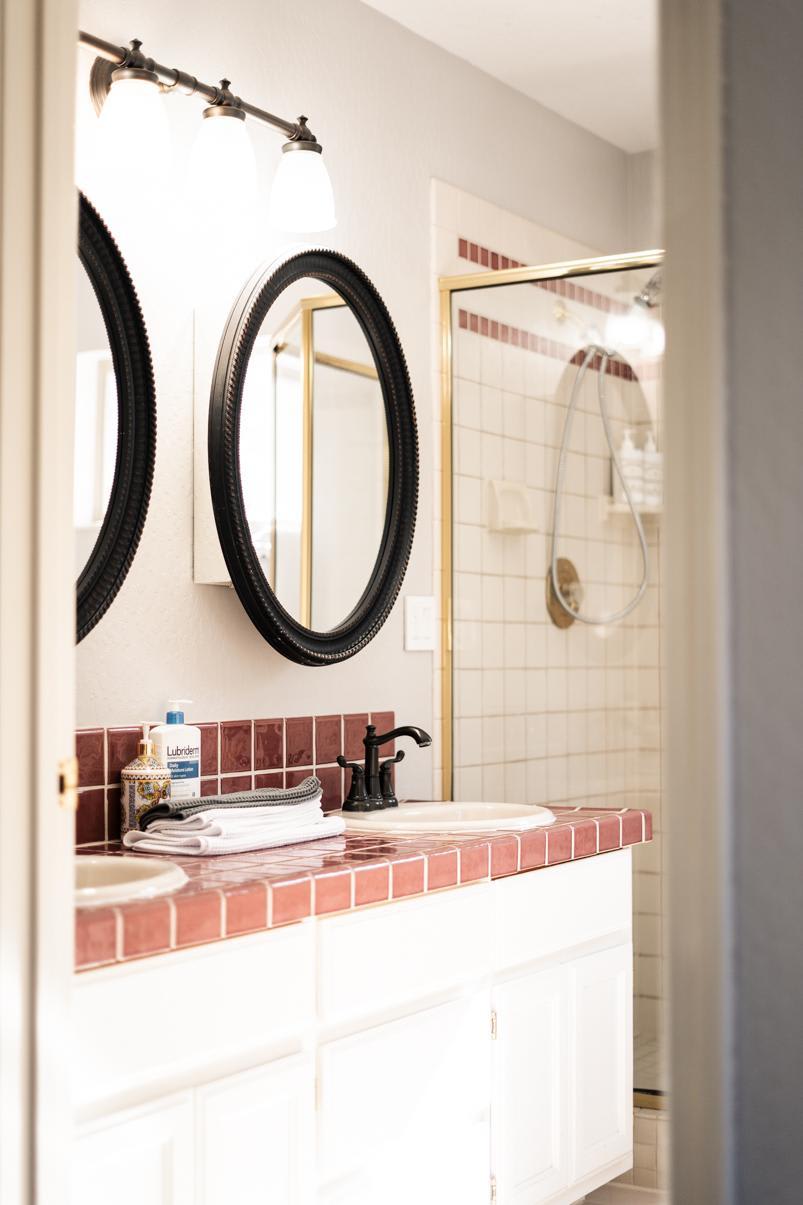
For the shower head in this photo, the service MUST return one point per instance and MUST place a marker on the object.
(650, 295)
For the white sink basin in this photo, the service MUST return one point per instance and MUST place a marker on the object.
(449, 817)
(110, 880)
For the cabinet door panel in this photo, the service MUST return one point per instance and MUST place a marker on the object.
(530, 1070)
(136, 1157)
(255, 1136)
(403, 1109)
(601, 1058)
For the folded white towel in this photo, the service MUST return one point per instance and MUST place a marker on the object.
(225, 822)
(235, 830)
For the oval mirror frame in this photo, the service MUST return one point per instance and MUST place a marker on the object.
(272, 620)
(116, 545)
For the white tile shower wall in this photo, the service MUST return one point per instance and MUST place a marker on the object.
(544, 715)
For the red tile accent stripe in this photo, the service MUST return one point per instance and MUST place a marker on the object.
(562, 286)
(236, 755)
(565, 352)
(247, 893)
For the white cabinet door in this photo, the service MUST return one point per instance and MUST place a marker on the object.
(601, 1058)
(530, 1090)
(144, 1155)
(403, 1110)
(255, 1136)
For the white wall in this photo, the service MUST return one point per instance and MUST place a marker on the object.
(392, 111)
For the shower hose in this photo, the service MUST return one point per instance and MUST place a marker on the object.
(602, 620)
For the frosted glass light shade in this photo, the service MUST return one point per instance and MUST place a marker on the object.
(637, 330)
(222, 163)
(301, 199)
(133, 126)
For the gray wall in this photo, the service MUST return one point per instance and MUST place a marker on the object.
(763, 181)
(732, 100)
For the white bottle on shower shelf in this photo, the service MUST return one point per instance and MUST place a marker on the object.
(653, 488)
(631, 463)
(178, 746)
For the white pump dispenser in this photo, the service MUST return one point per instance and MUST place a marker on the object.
(178, 746)
(653, 473)
(631, 463)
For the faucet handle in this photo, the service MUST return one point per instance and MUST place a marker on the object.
(357, 798)
(386, 780)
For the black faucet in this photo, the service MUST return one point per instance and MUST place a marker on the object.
(372, 787)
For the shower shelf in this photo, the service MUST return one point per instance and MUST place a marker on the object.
(608, 507)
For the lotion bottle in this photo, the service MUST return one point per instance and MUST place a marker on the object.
(178, 746)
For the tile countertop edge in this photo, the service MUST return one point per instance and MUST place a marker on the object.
(248, 893)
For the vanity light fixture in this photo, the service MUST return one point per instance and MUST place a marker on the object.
(223, 151)
(302, 200)
(133, 121)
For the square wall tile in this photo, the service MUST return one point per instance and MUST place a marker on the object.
(239, 782)
(90, 819)
(268, 744)
(274, 778)
(299, 741)
(353, 733)
(235, 746)
(384, 721)
(209, 749)
(294, 777)
(113, 817)
(89, 750)
(121, 748)
(328, 739)
(332, 786)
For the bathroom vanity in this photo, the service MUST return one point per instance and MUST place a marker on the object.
(448, 1021)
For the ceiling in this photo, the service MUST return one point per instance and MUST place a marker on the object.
(592, 61)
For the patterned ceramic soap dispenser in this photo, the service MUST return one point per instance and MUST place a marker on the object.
(145, 781)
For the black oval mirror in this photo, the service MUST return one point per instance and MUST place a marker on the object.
(313, 456)
(115, 421)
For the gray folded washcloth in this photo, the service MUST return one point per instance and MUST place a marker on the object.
(181, 809)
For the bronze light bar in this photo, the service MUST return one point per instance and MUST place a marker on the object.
(112, 57)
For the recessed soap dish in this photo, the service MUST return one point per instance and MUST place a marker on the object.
(509, 507)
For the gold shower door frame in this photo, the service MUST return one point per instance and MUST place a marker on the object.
(304, 315)
(448, 286)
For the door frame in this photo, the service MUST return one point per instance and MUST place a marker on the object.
(37, 593)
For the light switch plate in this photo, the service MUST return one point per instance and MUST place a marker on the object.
(419, 623)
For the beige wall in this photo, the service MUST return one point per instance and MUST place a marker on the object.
(393, 111)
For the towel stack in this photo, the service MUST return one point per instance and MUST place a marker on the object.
(228, 824)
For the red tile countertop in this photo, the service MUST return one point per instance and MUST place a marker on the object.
(245, 893)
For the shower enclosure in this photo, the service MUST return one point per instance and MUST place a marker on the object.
(551, 559)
